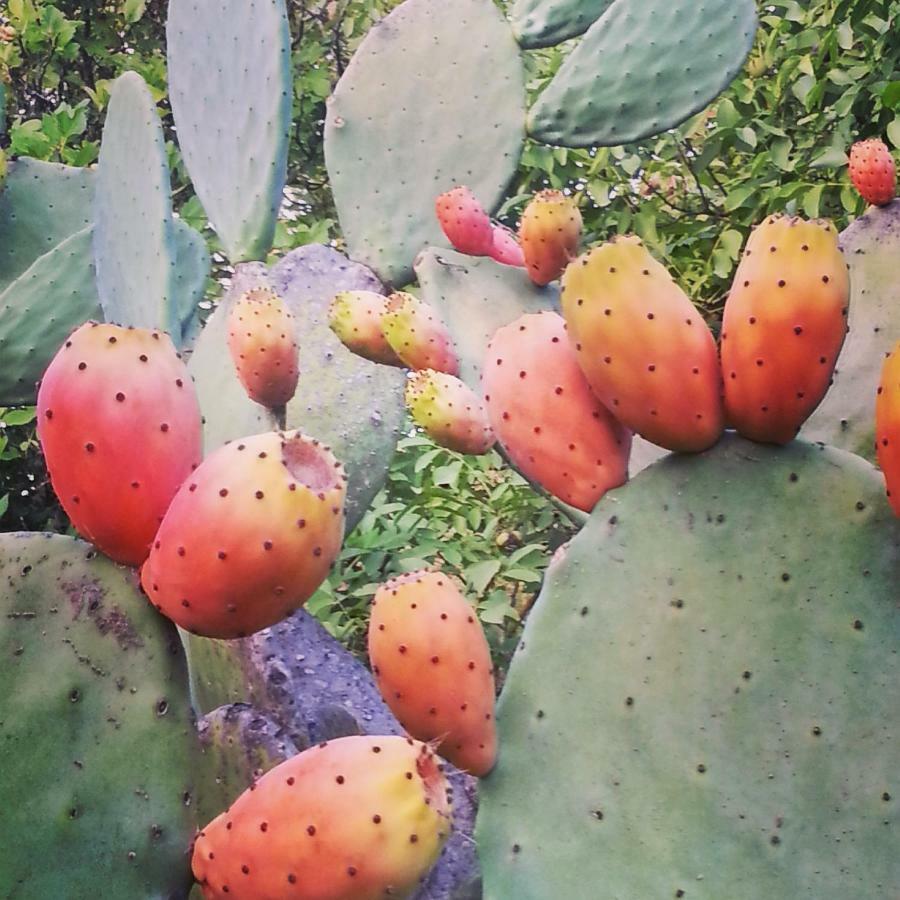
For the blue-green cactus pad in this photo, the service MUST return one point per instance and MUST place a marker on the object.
(134, 232)
(543, 23)
(475, 296)
(704, 701)
(192, 267)
(231, 89)
(643, 67)
(96, 730)
(434, 97)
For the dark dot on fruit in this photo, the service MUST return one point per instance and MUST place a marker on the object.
(259, 495)
(351, 870)
(120, 397)
(311, 830)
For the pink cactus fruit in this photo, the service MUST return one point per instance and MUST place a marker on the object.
(357, 818)
(355, 317)
(550, 231)
(449, 411)
(465, 223)
(417, 335)
(120, 427)
(433, 667)
(553, 428)
(249, 536)
(873, 172)
(646, 351)
(507, 249)
(263, 345)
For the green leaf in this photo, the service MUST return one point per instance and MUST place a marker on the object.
(812, 201)
(890, 96)
(480, 575)
(893, 132)
(4, 505)
(22, 416)
(133, 10)
(727, 115)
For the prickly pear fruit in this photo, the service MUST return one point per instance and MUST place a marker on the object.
(873, 172)
(417, 335)
(355, 317)
(784, 324)
(507, 249)
(887, 426)
(120, 427)
(357, 818)
(549, 231)
(263, 346)
(647, 353)
(465, 223)
(433, 667)
(249, 536)
(449, 411)
(553, 428)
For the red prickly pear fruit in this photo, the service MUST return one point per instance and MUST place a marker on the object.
(784, 325)
(646, 351)
(550, 231)
(552, 427)
(249, 536)
(357, 818)
(507, 249)
(263, 345)
(873, 172)
(433, 667)
(887, 426)
(120, 426)
(449, 412)
(355, 317)
(417, 335)
(465, 223)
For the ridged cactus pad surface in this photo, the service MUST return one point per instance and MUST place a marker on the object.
(713, 670)
(96, 730)
(644, 66)
(231, 89)
(433, 98)
(543, 23)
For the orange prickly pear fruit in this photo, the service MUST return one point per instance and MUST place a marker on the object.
(263, 346)
(355, 317)
(646, 351)
(549, 232)
(120, 426)
(873, 172)
(449, 412)
(784, 325)
(507, 249)
(249, 536)
(357, 818)
(887, 426)
(417, 335)
(555, 431)
(464, 222)
(433, 667)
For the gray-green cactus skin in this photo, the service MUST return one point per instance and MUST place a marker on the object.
(703, 703)
(96, 729)
(643, 67)
(231, 89)
(846, 417)
(433, 97)
(544, 23)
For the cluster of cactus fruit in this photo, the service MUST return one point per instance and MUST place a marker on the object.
(619, 711)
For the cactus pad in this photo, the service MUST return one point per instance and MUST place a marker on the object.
(96, 730)
(447, 82)
(643, 67)
(543, 23)
(717, 675)
(230, 86)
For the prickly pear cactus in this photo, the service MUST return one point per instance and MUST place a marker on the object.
(717, 677)
(96, 729)
(543, 23)
(447, 82)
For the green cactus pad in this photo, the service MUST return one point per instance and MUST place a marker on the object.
(714, 669)
(475, 296)
(39, 310)
(134, 232)
(231, 89)
(446, 80)
(192, 267)
(96, 729)
(643, 67)
(354, 406)
(543, 23)
(846, 417)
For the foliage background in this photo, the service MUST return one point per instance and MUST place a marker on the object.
(823, 74)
